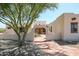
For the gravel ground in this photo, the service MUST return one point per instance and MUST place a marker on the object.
(49, 48)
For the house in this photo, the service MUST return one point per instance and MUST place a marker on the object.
(38, 27)
(65, 27)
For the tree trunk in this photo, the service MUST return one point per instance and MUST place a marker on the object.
(19, 44)
(22, 41)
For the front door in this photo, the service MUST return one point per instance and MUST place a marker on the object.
(40, 30)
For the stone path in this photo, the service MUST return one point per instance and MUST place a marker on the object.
(53, 48)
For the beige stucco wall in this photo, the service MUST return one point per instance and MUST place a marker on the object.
(10, 34)
(1, 35)
(68, 36)
(61, 28)
(57, 29)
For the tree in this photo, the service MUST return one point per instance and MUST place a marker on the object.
(22, 15)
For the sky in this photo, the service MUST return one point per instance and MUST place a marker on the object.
(51, 15)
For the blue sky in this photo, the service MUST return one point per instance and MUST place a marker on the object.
(50, 16)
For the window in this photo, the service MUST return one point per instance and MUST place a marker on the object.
(74, 27)
(50, 29)
(73, 18)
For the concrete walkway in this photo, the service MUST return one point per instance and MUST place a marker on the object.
(55, 49)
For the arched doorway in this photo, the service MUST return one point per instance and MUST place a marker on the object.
(40, 30)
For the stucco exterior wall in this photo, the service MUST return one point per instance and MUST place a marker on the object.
(68, 36)
(1, 35)
(57, 29)
(61, 28)
(10, 34)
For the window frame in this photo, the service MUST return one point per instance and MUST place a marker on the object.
(74, 27)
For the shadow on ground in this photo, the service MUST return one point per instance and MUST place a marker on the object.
(62, 42)
(31, 49)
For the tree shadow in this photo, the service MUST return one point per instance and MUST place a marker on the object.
(62, 42)
(31, 49)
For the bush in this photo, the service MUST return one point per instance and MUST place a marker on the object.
(2, 30)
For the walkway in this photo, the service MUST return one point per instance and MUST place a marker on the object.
(51, 47)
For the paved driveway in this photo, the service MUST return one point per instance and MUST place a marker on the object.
(53, 48)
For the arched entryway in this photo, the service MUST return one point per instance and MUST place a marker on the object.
(40, 30)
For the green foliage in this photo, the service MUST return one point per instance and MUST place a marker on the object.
(15, 15)
(2, 30)
(22, 15)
